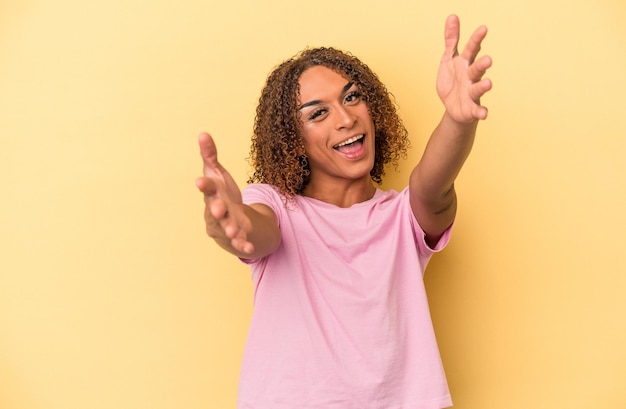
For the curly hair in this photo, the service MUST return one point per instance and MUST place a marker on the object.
(277, 153)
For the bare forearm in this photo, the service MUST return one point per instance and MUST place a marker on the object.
(447, 149)
(432, 194)
(460, 85)
(261, 232)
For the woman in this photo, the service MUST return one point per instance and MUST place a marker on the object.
(341, 318)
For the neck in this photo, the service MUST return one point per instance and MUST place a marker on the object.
(341, 195)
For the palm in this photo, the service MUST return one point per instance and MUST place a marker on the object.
(224, 215)
(460, 82)
(226, 187)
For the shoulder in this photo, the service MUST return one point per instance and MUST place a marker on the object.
(260, 193)
(265, 196)
(391, 197)
(398, 203)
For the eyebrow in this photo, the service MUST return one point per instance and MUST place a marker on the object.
(317, 101)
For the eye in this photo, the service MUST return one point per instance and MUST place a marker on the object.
(316, 114)
(353, 97)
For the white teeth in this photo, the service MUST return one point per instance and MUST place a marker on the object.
(349, 141)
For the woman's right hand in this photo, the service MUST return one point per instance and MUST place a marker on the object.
(224, 214)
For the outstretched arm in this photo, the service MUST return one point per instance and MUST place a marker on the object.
(245, 231)
(460, 85)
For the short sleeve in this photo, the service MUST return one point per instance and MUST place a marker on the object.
(420, 235)
(263, 194)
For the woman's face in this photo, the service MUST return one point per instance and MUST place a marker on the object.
(337, 129)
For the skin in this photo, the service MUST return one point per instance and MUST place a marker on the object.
(333, 112)
(251, 231)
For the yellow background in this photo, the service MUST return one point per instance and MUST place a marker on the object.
(111, 295)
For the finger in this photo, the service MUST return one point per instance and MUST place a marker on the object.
(232, 230)
(451, 36)
(472, 48)
(206, 186)
(208, 151)
(242, 245)
(217, 209)
(239, 237)
(479, 68)
(236, 227)
(213, 226)
(479, 89)
(480, 112)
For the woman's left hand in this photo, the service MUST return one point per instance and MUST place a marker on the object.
(460, 83)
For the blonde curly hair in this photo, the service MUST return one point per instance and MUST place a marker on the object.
(277, 153)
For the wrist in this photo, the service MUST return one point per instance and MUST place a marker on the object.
(462, 125)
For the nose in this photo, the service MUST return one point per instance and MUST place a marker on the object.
(344, 118)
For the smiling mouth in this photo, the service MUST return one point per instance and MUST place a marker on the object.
(349, 142)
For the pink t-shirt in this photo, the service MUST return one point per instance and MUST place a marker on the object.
(341, 319)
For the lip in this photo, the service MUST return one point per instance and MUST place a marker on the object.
(354, 153)
(356, 137)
